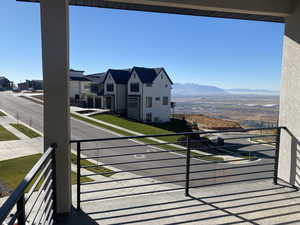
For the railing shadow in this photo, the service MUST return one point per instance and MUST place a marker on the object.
(243, 207)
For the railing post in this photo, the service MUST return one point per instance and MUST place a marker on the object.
(275, 178)
(21, 211)
(53, 156)
(188, 162)
(78, 176)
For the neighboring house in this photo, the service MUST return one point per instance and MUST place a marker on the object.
(80, 89)
(5, 84)
(31, 84)
(97, 87)
(115, 90)
(149, 94)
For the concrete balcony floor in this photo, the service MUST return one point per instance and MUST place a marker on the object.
(240, 203)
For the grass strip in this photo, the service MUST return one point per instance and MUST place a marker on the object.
(97, 169)
(25, 130)
(13, 171)
(143, 128)
(5, 135)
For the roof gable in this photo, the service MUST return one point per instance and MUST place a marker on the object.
(148, 75)
(120, 76)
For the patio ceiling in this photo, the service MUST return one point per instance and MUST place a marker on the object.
(261, 10)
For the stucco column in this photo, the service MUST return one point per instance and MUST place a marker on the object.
(289, 115)
(55, 46)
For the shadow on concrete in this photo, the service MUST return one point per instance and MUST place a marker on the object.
(270, 205)
(77, 217)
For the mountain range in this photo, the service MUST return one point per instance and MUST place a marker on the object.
(193, 90)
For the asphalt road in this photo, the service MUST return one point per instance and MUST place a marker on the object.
(205, 172)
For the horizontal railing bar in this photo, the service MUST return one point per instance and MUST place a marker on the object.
(132, 194)
(247, 137)
(134, 162)
(232, 145)
(46, 197)
(133, 170)
(176, 181)
(164, 167)
(175, 134)
(14, 218)
(168, 190)
(46, 212)
(50, 221)
(16, 195)
(174, 174)
(126, 146)
(38, 180)
(46, 182)
(138, 153)
(231, 182)
(39, 195)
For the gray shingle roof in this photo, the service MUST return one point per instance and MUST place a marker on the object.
(120, 76)
(97, 78)
(148, 75)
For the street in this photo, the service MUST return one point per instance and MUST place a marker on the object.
(32, 113)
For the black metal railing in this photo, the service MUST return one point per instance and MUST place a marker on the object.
(33, 201)
(191, 160)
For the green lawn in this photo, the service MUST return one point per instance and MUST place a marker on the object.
(2, 113)
(25, 130)
(13, 171)
(5, 135)
(143, 128)
(98, 169)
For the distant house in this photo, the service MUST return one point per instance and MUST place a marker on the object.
(149, 94)
(97, 87)
(31, 84)
(115, 90)
(5, 84)
(80, 89)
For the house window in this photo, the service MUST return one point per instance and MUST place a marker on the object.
(149, 85)
(148, 102)
(157, 99)
(110, 87)
(149, 117)
(87, 86)
(134, 87)
(165, 100)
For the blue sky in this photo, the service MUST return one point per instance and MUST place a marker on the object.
(222, 52)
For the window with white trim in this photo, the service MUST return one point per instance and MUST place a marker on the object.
(149, 117)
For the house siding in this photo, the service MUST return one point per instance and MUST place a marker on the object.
(158, 90)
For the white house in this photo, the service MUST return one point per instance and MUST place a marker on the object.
(80, 89)
(115, 90)
(149, 94)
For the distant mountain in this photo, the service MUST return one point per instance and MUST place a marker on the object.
(190, 90)
(252, 91)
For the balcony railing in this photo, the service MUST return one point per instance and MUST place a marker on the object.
(33, 201)
(192, 161)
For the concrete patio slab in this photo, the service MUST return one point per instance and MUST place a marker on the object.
(244, 203)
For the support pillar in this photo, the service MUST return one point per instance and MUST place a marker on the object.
(290, 101)
(55, 52)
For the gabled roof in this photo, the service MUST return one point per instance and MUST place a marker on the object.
(3, 78)
(148, 75)
(120, 76)
(77, 78)
(97, 78)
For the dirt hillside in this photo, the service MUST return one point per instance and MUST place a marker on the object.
(205, 122)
